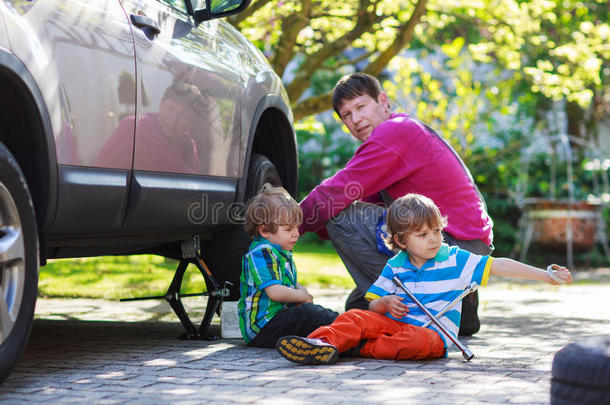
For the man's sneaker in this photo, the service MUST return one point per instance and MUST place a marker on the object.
(307, 350)
(356, 300)
(470, 324)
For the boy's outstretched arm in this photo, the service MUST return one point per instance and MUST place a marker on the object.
(281, 293)
(506, 267)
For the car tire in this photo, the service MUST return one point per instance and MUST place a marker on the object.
(260, 171)
(19, 262)
(571, 394)
(224, 251)
(581, 372)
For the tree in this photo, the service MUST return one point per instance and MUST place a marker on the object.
(316, 34)
(558, 48)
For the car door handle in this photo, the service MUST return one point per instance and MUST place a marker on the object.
(146, 24)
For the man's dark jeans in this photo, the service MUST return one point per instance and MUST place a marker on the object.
(299, 320)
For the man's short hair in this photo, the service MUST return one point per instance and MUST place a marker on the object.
(354, 85)
(271, 207)
(409, 214)
(185, 93)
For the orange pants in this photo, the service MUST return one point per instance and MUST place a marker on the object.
(385, 338)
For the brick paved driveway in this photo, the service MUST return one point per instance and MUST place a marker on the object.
(104, 352)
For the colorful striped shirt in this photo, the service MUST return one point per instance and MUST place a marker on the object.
(264, 265)
(435, 284)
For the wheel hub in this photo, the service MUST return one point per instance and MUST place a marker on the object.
(12, 263)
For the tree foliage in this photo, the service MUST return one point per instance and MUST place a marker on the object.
(315, 35)
(555, 48)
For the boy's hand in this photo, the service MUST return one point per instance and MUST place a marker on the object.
(559, 275)
(288, 295)
(306, 295)
(395, 306)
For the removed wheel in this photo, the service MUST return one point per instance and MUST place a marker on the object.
(581, 372)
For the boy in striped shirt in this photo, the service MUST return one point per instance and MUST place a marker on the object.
(272, 303)
(434, 272)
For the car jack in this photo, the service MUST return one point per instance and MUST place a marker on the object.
(215, 294)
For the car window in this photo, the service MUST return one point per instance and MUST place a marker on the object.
(223, 6)
(198, 4)
(179, 5)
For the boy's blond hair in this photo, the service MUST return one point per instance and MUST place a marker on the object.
(271, 207)
(409, 214)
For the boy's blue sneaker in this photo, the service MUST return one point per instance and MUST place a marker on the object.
(306, 350)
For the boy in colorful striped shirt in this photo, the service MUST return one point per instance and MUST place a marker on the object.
(272, 303)
(432, 271)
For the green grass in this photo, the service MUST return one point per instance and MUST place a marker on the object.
(115, 277)
(319, 265)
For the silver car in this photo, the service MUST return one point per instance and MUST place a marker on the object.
(130, 126)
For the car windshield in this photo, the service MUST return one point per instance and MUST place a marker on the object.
(179, 5)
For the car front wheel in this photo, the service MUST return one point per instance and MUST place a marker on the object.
(225, 250)
(18, 262)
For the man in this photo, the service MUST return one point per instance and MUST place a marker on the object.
(398, 155)
(163, 139)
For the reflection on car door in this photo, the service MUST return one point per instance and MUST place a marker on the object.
(90, 49)
(187, 120)
(82, 56)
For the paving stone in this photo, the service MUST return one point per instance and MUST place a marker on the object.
(89, 353)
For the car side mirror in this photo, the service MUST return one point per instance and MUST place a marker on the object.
(217, 9)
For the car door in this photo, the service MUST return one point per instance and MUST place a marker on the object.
(187, 143)
(81, 54)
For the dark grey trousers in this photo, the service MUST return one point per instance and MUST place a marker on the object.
(352, 233)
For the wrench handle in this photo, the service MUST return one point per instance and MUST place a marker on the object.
(471, 288)
(551, 270)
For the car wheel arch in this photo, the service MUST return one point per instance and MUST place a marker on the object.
(33, 143)
(272, 135)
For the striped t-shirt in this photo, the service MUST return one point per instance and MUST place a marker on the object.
(435, 284)
(264, 265)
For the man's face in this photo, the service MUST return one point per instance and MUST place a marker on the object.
(363, 114)
(175, 118)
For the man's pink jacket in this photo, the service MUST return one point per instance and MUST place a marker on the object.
(402, 156)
